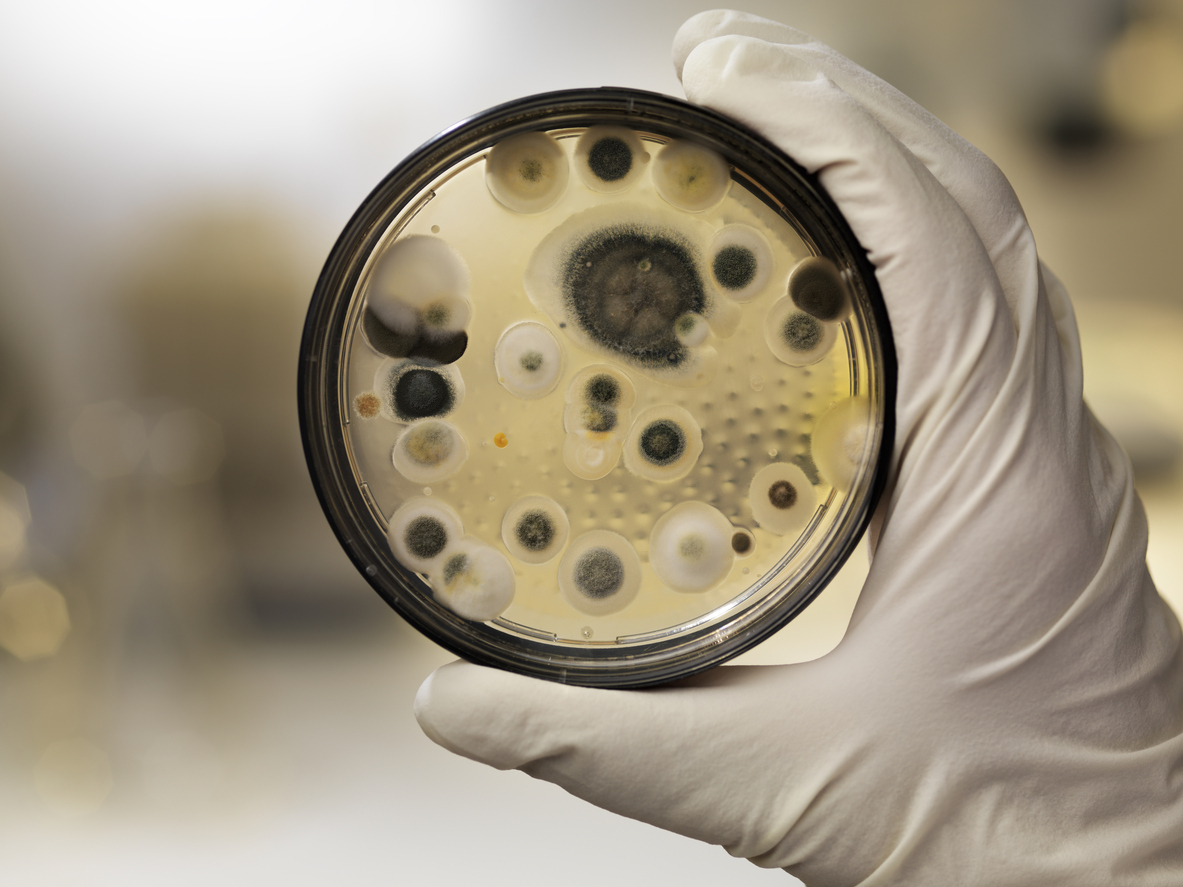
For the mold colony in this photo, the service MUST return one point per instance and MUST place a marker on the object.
(598, 411)
(535, 529)
(617, 339)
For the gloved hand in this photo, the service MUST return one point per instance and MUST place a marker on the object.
(1007, 705)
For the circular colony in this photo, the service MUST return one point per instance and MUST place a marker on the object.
(607, 401)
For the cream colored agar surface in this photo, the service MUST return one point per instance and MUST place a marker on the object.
(742, 421)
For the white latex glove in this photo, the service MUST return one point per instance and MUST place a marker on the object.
(1007, 705)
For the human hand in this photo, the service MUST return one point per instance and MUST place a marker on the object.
(1007, 704)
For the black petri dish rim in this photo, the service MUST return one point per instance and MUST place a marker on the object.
(793, 193)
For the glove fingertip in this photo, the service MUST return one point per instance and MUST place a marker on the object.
(457, 707)
(736, 69)
(696, 30)
(727, 22)
(500, 719)
(431, 712)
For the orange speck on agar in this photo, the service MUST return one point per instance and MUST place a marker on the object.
(501, 440)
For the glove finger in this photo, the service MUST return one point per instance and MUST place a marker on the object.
(970, 177)
(737, 757)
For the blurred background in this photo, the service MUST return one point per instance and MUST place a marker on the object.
(194, 682)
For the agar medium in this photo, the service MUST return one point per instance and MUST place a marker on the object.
(597, 386)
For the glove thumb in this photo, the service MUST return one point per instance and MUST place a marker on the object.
(685, 757)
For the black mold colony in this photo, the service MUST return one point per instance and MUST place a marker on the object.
(626, 287)
(816, 287)
(782, 494)
(610, 159)
(801, 332)
(599, 573)
(741, 543)
(734, 267)
(421, 392)
(662, 442)
(602, 389)
(456, 565)
(441, 347)
(425, 537)
(530, 170)
(535, 530)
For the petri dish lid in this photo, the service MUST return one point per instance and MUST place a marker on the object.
(597, 386)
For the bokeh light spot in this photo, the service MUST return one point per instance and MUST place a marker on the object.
(1142, 79)
(34, 619)
(73, 777)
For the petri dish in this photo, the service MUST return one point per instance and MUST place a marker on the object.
(597, 386)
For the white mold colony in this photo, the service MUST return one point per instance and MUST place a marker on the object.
(529, 360)
(656, 294)
(691, 177)
(429, 450)
(527, 173)
(839, 443)
(474, 580)
(690, 547)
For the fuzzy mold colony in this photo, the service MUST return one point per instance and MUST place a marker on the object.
(599, 388)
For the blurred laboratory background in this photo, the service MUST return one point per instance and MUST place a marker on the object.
(195, 684)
